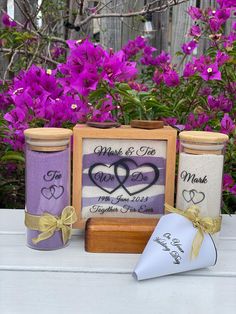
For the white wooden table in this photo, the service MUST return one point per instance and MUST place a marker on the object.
(73, 281)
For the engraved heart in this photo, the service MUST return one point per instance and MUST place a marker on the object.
(145, 175)
(54, 191)
(101, 173)
(187, 195)
(57, 191)
(47, 192)
(193, 196)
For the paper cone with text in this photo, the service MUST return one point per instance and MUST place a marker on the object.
(169, 249)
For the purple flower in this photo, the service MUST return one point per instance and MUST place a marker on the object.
(223, 14)
(205, 91)
(215, 24)
(229, 41)
(227, 182)
(86, 82)
(116, 69)
(196, 121)
(140, 42)
(163, 59)
(57, 51)
(195, 31)
(101, 116)
(201, 62)
(148, 58)
(220, 103)
(134, 46)
(233, 189)
(227, 124)
(170, 121)
(226, 3)
(131, 49)
(211, 72)
(171, 78)
(195, 13)
(188, 48)
(221, 58)
(157, 77)
(7, 22)
(234, 26)
(138, 87)
(208, 128)
(189, 70)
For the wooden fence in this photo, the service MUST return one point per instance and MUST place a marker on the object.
(170, 27)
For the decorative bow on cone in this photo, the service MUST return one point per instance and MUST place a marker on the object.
(48, 224)
(203, 224)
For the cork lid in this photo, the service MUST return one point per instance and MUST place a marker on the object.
(203, 137)
(48, 133)
(47, 139)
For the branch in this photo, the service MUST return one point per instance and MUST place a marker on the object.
(51, 38)
(9, 65)
(27, 15)
(146, 9)
(42, 57)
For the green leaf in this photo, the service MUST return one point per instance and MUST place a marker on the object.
(13, 156)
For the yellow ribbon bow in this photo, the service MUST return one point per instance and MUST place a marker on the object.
(48, 224)
(203, 224)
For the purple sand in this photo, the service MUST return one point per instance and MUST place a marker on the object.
(46, 192)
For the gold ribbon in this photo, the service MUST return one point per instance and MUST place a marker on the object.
(48, 224)
(203, 224)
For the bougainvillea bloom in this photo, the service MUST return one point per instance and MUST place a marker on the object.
(195, 13)
(195, 31)
(189, 70)
(221, 57)
(157, 77)
(215, 24)
(171, 78)
(227, 124)
(211, 72)
(7, 22)
(188, 48)
(220, 103)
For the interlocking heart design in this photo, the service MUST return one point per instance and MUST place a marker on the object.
(193, 196)
(121, 181)
(54, 191)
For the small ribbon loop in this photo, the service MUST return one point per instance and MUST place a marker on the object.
(202, 224)
(47, 224)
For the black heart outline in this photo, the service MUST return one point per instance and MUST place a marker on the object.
(156, 176)
(104, 165)
(189, 193)
(52, 190)
(193, 192)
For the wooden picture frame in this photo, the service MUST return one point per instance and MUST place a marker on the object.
(125, 161)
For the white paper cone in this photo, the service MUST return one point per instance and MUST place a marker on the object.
(169, 248)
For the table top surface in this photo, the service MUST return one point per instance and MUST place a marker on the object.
(71, 280)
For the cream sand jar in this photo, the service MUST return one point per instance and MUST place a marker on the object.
(200, 172)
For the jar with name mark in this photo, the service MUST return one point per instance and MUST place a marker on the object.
(200, 172)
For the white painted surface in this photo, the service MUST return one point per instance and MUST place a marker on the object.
(73, 281)
(11, 8)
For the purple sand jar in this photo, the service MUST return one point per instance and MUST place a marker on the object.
(47, 180)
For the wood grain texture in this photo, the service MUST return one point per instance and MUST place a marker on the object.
(118, 235)
(81, 132)
(181, 23)
(147, 124)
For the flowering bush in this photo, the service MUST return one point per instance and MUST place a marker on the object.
(98, 85)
